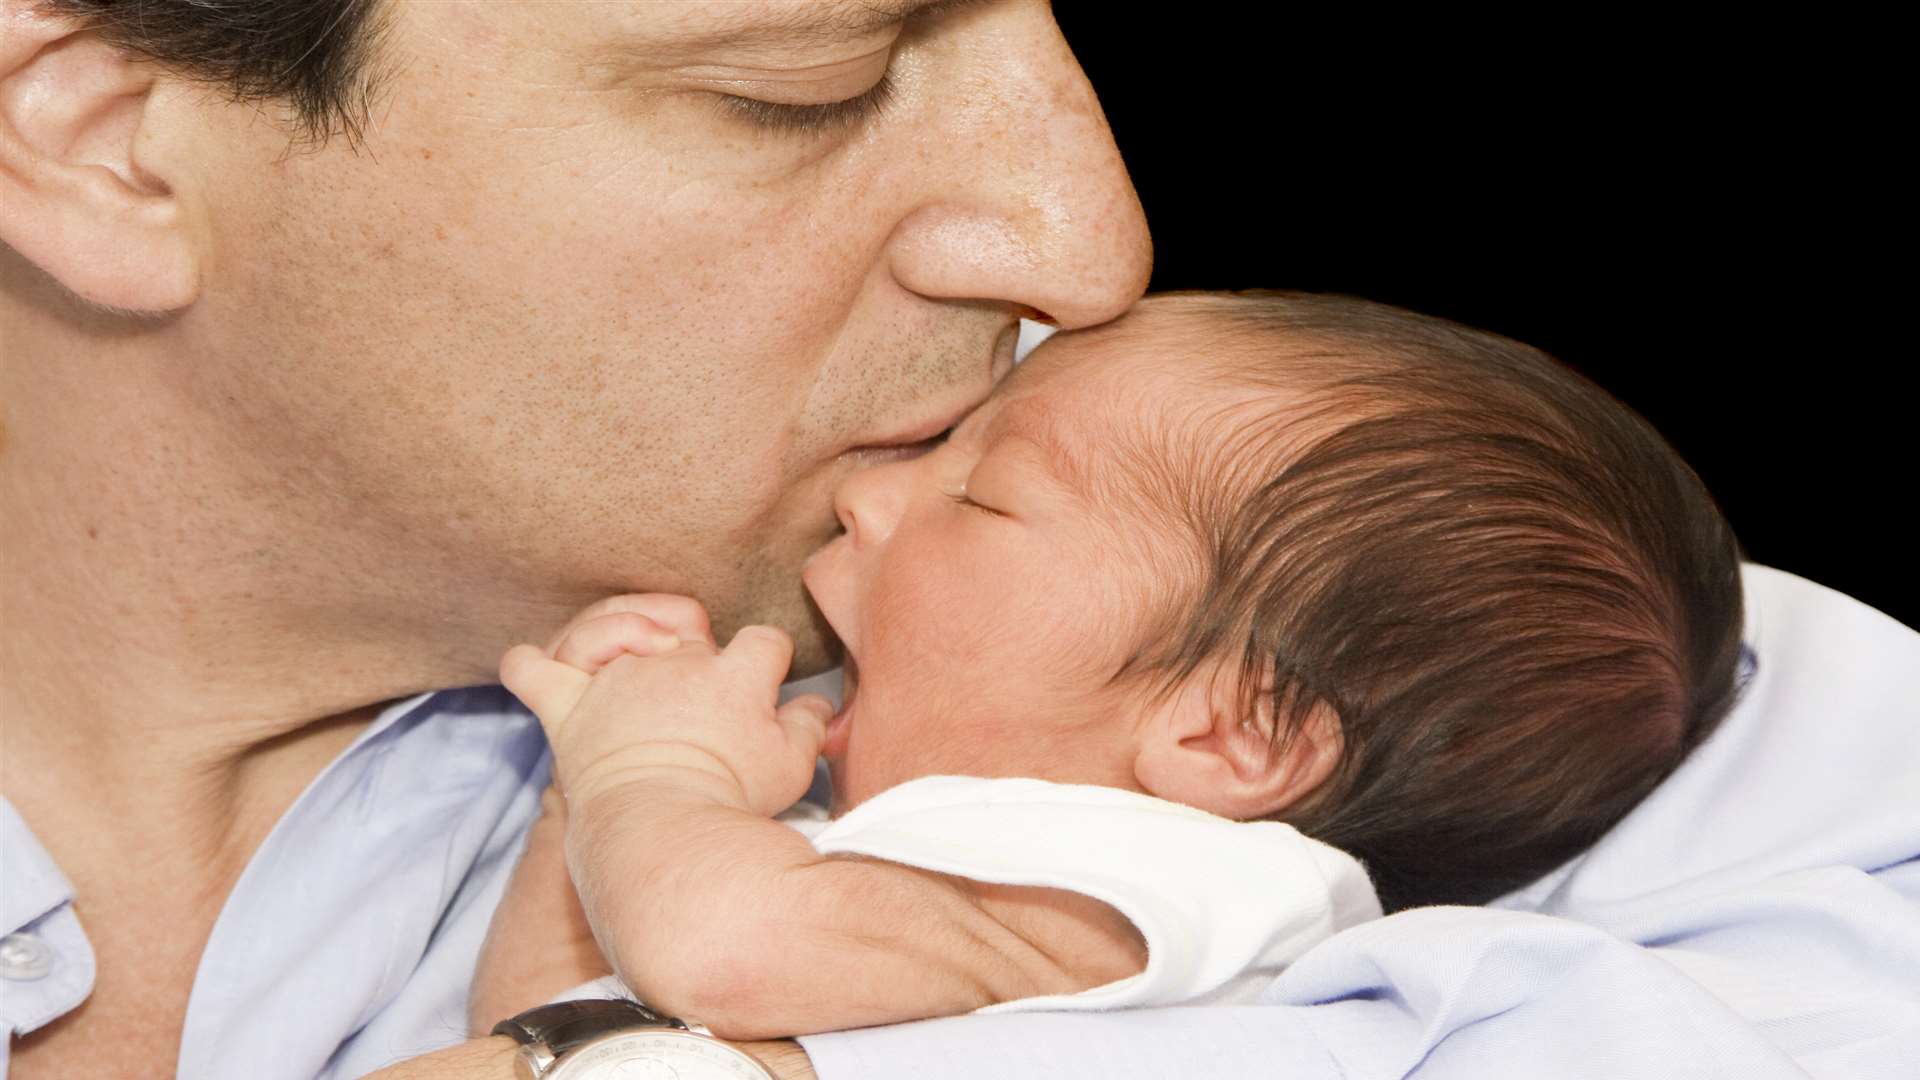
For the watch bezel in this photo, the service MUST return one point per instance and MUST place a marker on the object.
(577, 1062)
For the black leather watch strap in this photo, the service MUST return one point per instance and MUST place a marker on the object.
(567, 1024)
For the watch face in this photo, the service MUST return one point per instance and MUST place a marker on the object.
(656, 1055)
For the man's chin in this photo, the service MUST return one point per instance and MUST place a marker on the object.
(783, 603)
(812, 655)
(815, 648)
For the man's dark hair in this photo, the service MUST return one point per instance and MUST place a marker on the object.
(317, 56)
(1523, 607)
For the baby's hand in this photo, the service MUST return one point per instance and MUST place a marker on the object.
(635, 689)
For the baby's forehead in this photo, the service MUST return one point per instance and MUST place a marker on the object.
(1102, 407)
(1176, 413)
(1081, 400)
(1141, 349)
(1171, 361)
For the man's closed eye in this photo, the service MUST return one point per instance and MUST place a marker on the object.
(812, 119)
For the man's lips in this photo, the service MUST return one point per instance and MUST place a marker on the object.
(872, 454)
(917, 438)
(909, 443)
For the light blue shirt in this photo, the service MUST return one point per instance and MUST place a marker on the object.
(349, 941)
(1757, 917)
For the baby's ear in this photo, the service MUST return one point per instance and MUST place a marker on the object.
(1204, 747)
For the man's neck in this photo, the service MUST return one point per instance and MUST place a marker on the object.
(119, 742)
(188, 635)
(168, 690)
(179, 643)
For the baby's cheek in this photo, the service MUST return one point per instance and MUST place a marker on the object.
(942, 617)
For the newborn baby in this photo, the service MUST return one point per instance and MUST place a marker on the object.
(1202, 612)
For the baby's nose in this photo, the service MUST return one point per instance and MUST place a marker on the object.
(869, 502)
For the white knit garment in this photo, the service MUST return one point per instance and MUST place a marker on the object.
(1223, 905)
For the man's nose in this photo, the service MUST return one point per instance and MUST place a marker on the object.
(1036, 207)
(869, 502)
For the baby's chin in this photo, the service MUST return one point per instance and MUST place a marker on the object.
(846, 793)
(833, 748)
(837, 804)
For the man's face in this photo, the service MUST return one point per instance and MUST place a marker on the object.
(615, 293)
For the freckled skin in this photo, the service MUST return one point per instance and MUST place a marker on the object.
(620, 338)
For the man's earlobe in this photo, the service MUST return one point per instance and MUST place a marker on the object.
(1204, 748)
(78, 195)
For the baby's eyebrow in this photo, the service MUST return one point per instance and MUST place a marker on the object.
(1044, 429)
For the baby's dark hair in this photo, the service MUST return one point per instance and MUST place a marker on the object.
(1523, 607)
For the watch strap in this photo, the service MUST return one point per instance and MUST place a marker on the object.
(567, 1024)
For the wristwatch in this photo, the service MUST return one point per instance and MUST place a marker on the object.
(620, 1040)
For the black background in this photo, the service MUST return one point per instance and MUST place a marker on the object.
(1700, 221)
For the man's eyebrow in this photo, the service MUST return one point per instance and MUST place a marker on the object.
(813, 22)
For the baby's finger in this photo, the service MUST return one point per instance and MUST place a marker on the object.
(549, 688)
(680, 615)
(767, 651)
(591, 645)
(805, 719)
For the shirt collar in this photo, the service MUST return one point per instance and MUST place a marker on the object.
(34, 883)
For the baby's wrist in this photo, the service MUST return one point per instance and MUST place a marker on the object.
(677, 772)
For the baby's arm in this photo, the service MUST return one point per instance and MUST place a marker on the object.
(672, 765)
(539, 944)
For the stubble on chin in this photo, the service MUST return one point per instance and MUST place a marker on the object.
(771, 593)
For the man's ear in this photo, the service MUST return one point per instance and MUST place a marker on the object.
(1203, 748)
(77, 198)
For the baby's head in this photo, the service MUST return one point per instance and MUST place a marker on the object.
(1414, 588)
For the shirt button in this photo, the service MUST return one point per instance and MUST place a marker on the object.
(24, 958)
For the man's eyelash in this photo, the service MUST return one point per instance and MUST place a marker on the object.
(813, 119)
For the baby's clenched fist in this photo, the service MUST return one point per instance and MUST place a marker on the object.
(635, 691)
